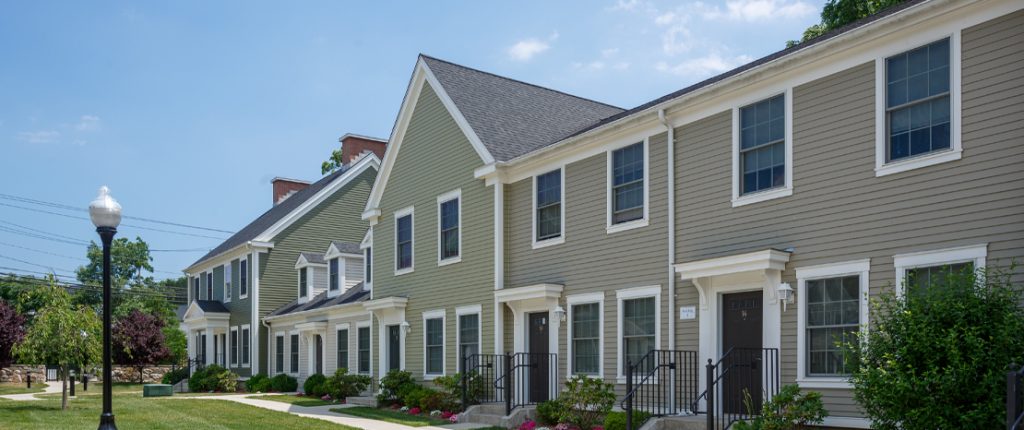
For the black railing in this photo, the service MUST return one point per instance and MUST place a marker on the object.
(663, 382)
(518, 379)
(1015, 399)
(738, 384)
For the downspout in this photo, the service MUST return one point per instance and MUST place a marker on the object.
(671, 230)
(269, 345)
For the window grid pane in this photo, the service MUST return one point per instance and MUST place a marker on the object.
(279, 354)
(295, 354)
(450, 229)
(833, 319)
(364, 350)
(549, 205)
(917, 101)
(342, 349)
(404, 238)
(333, 281)
(243, 276)
(368, 271)
(435, 345)
(763, 145)
(586, 332)
(638, 329)
(469, 336)
(936, 276)
(628, 183)
(302, 282)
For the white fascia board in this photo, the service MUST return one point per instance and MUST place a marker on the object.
(759, 260)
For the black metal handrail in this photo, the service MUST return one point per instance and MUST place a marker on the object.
(492, 378)
(730, 382)
(667, 384)
(1015, 399)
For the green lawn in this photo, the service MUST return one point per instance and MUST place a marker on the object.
(135, 413)
(7, 388)
(96, 389)
(391, 416)
(295, 400)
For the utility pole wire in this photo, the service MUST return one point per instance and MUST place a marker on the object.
(75, 208)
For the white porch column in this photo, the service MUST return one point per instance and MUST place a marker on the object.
(209, 346)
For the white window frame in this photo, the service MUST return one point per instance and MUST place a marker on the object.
(284, 353)
(243, 338)
(367, 246)
(585, 299)
(348, 343)
(775, 193)
(429, 315)
(444, 198)
(298, 348)
(227, 282)
(976, 254)
(364, 324)
(460, 311)
(238, 347)
(340, 278)
(628, 294)
(536, 244)
(411, 211)
(209, 285)
(309, 283)
(883, 168)
(243, 270)
(609, 160)
(861, 268)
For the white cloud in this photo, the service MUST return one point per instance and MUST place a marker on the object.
(626, 5)
(677, 40)
(703, 66)
(88, 123)
(622, 65)
(610, 52)
(665, 18)
(43, 136)
(524, 50)
(760, 10)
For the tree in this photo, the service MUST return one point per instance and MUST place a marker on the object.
(334, 162)
(138, 341)
(128, 260)
(936, 357)
(12, 331)
(838, 13)
(62, 334)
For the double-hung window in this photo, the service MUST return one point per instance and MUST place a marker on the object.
(294, 353)
(279, 353)
(548, 206)
(333, 274)
(227, 282)
(917, 101)
(364, 350)
(933, 269)
(833, 319)
(449, 231)
(245, 345)
(404, 242)
(234, 346)
(195, 288)
(243, 278)
(586, 338)
(762, 146)
(937, 276)
(303, 282)
(469, 337)
(433, 344)
(342, 348)
(628, 196)
(209, 286)
(639, 329)
(368, 266)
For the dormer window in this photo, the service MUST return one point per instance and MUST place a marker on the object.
(333, 274)
(304, 282)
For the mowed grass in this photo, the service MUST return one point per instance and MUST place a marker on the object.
(391, 416)
(295, 400)
(136, 413)
(8, 388)
(96, 389)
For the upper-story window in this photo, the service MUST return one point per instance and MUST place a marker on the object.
(227, 282)
(449, 211)
(332, 280)
(404, 241)
(368, 266)
(243, 278)
(917, 101)
(628, 197)
(304, 282)
(548, 212)
(195, 288)
(763, 145)
(209, 286)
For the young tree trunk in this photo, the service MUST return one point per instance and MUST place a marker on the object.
(63, 388)
(139, 369)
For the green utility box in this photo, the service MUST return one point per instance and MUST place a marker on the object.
(157, 390)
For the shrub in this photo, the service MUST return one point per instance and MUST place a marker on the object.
(617, 420)
(788, 410)
(258, 383)
(213, 378)
(314, 385)
(283, 383)
(937, 356)
(342, 385)
(451, 386)
(415, 395)
(224, 380)
(174, 376)
(395, 386)
(433, 399)
(549, 412)
(586, 401)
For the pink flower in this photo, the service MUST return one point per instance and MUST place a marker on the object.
(528, 425)
(414, 411)
(562, 426)
(446, 414)
(454, 419)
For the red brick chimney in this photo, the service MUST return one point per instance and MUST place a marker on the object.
(354, 145)
(284, 188)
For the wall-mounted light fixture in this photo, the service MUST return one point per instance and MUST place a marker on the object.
(405, 327)
(560, 313)
(785, 294)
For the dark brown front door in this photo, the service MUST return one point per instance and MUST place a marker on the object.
(538, 357)
(741, 333)
(319, 354)
(394, 347)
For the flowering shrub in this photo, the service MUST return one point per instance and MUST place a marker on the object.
(543, 428)
(435, 413)
(414, 411)
(454, 419)
(326, 397)
(563, 426)
(403, 409)
(528, 425)
(447, 414)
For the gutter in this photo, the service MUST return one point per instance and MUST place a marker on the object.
(671, 229)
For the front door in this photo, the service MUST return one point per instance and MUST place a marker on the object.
(394, 347)
(741, 333)
(319, 354)
(537, 359)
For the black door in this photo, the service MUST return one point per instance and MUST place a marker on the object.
(741, 333)
(538, 357)
(394, 348)
(319, 354)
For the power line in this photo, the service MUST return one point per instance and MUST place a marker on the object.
(79, 259)
(30, 279)
(37, 265)
(43, 232)
(75, 208)
(38, 236)
(123, 225)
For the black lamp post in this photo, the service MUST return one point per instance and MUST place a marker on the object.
(105, 213)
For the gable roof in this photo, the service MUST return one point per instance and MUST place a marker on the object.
(354, 294)
(346, 247)
(294, 204)
(311, 258)
(511, 117)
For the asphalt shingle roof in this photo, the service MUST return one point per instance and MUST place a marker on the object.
(313, 257)
(513, 118)
(320, 301)
(214, 306)
(347, 247)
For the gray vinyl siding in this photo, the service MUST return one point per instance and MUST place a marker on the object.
(218, 283)
(839, 210)
(435, 157)
(353, 272)
(591, 260)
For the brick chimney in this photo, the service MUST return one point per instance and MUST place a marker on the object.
(354, 146)
(284, 188)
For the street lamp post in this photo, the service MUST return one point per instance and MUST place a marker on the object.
(105, 213)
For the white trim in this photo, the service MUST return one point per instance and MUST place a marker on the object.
(272, 369)
(883, 167)
(772, 193)
(560, 239)
(430, 315)
(245, 361)
(303, 298)
(499, 245)
(459, 312)
(369, 326)
(226, 285)
(861, 268)
(367, 239)
(444, 198)
(628, 225)
(237, 344)
(248, 279)
(583, 299)
(453, 110)
(412, 239)
(468, 309)
(962, 254)
(297, 350)
(629, 294)
(254, 281)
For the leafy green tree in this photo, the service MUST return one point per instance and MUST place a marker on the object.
(128, 261)
(838, 13)
(936, 357)
(334, 162)
(62, 334)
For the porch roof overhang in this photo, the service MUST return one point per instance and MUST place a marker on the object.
(386, 303)
(197, 318)
(312, 326)
(768, 259)
(538, 291)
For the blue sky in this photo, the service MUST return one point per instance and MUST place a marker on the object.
(187, 109)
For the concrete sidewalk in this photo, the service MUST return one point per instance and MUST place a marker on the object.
(51, 387)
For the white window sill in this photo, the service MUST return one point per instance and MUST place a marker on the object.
(834, 383)
(629, 225)
(243, 297)
(449, 260)
(432, 376)
(548, 242)
(403, 271)
(918, 162)
(762, 196)
(590, 375)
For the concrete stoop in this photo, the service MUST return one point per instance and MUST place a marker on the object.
(680, 422)
(494, 415)
(370, 401)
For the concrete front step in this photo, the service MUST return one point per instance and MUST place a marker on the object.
(493, 414)
(362, 401)
(689, 422)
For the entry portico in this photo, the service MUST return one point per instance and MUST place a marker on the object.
(206, 326)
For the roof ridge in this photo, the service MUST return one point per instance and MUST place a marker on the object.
(522, 82)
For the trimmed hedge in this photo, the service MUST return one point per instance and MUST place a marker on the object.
(314, 385)
(258, 383)
(283, 383)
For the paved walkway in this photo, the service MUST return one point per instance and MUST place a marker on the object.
(51, 387)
